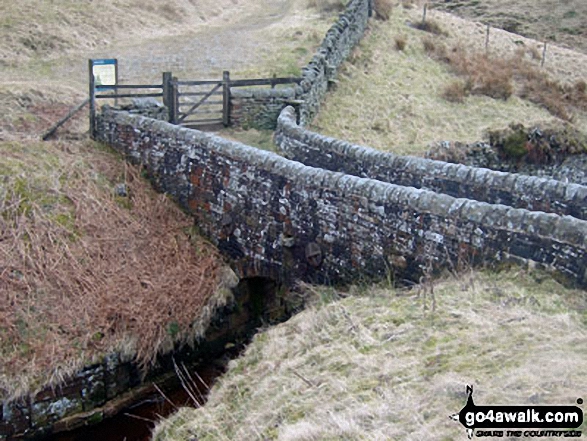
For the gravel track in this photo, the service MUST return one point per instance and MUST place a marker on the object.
(234, 41)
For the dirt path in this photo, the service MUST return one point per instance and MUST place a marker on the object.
(228, 45)
(235, 41)
(249, 39)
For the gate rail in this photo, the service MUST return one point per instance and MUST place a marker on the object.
(171, 94)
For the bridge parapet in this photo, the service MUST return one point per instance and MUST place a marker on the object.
(271, 215)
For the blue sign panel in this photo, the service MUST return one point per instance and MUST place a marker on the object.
(105, 73)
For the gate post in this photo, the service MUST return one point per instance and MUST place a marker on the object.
(226, 98)
(170, 96)
(92, 93)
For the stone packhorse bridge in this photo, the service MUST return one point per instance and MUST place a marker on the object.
(345, 211)
(277, 218)
(342, 212)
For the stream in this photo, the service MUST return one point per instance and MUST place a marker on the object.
(136, 422)
(187, 383)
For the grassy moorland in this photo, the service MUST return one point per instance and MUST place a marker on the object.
(404, 88)
(379, 363)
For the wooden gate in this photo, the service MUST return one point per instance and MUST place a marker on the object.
(200, 103)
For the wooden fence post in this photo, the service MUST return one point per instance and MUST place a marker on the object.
(543, 55)
(168, 95)
(424, 13)
(173, 101)
(92, 99)
(487, 40)
(226, 98)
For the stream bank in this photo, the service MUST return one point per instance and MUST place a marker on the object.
(115, 387)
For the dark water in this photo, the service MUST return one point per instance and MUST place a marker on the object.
(136, 422)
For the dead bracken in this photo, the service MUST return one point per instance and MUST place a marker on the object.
(86, 271)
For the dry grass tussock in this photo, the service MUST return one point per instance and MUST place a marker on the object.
(83, 271)
(500, 77)
(383, 9)
(400, 42)
(383, 364)
(430, 26)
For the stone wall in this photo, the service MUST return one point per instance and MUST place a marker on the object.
(566, 166)
(273, 216)
(259, 108)
(515, 190)
(148, 107)
(340, 40)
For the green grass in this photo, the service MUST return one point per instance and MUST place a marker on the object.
(378, 363)
(262, 139)
(392, 100)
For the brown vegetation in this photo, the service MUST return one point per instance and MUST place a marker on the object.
(501, 77)
(400, 42)
(383, 9)
(455, 92)
(84, 271)
(430, 46)
(430, 26)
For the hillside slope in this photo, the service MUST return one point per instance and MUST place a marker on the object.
(392, 93)
(91, 261)
(383, 364)
(560, 22)
(33, 29)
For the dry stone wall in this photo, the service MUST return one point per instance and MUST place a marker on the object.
(272, 216)
(259, 108)
(515, 190)
(340, 40)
